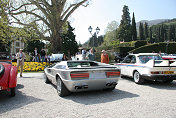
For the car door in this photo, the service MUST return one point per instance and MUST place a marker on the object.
(124, 65)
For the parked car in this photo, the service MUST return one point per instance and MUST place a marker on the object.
(8, 74)
(56, 58)
(118, 57)
(168, 56)
(148, 66)
(82, 75)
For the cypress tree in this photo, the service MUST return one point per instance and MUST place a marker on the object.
(146, 32)
(124, 30)
(150, 35)
(133, 29)
(141, 31)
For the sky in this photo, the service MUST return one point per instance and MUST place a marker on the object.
(101, 12)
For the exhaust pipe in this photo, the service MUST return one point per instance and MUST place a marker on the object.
(111, 84)
(81, 87)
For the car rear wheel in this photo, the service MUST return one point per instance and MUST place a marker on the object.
(167, 81)
(46, 79)
(61, 88)
(2, 69)
(137, 78)
(12, 92)
(110, 89)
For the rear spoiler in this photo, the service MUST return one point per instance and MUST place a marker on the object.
(161, 63)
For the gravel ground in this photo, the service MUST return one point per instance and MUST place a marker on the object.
(35, 99)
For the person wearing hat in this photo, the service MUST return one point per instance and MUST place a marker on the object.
(104, 57)
(20, 60)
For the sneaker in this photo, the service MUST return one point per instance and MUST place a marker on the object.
(21, 76)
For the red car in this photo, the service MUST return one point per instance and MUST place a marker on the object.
(8, 74)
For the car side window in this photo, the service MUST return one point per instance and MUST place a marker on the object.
(127, 59)
(133, 60)
(130, 59)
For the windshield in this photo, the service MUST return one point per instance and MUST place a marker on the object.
(145, 58)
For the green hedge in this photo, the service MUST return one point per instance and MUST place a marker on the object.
(171, 48)
(135, 44)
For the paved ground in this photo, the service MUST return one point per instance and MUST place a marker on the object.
(35, 99)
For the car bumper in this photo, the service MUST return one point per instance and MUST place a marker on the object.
(89, 85)
(159, 77)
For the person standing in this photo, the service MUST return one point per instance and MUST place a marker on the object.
(84, 54)
(20, 61)
(104, 57)
(91, 55)
(36, 55)
(42, 53)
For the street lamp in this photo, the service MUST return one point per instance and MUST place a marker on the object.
(167, 46)
(97, 31)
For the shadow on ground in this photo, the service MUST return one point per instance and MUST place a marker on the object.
(8, 103)
(96, 97)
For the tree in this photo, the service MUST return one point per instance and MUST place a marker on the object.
(69, 44)
(141, 31)
(32, 44)
(48, 17)
(171, 33)
(124, 30)
(133, 29)
(5, 33)
(112, 26)
(146, 31)
(150, 36)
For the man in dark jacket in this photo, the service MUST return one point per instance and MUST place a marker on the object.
(42, 53)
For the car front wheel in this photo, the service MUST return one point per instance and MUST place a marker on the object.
(47, 81)
(137, 78)
(61, 88)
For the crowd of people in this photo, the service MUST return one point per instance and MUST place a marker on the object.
(40, 56)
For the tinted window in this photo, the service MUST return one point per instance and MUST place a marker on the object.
(130, 59)
(81, 64)
(145, 58)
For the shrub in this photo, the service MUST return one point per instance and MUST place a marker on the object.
(33, 66)
(163, 47)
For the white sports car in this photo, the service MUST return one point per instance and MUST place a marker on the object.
(149, 66)
(75, 76)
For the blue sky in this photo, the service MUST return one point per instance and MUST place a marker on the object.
(101, 12)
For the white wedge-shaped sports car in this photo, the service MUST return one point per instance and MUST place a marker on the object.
(75, 76)
(148, 66)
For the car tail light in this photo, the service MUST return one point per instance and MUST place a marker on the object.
(113, 74)
(156, 72)
(79, 75)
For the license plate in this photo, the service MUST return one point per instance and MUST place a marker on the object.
(169, 72)
(97, 75)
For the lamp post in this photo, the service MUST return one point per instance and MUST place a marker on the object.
(96, 33)
(167, 46)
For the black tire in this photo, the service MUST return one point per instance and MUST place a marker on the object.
(137, 78)
(110, 89)
(2, 69)
(61, 88)
(12, 92)
(167, 81)
(47, 81)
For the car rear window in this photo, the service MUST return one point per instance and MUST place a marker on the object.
(145, 58)
(81, 64)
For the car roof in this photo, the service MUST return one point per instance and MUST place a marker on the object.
(145, 54)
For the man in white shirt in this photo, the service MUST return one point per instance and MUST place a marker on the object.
(20, 60)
